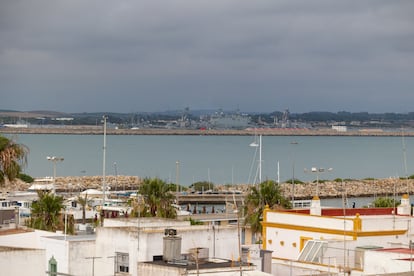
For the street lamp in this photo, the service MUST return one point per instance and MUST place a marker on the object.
(293, 173)
(317, 171)
(54, 159)
(116, 177)
(177, 173)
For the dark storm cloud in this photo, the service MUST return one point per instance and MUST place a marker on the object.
(257, 55)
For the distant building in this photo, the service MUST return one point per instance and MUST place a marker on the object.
(340, 128)
(221, 120)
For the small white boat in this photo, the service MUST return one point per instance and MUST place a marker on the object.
(180, 211)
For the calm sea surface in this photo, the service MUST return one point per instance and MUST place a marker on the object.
(219, 159)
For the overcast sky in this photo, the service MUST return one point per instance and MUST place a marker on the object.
(135, 55)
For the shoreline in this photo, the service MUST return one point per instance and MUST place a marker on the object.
(98, 130)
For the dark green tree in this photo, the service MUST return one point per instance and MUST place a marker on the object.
(13, 157)
(158, 198)
(46, 212)
(26, 178)
(202, 186)
(266, 193)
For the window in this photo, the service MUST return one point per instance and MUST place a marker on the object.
(121, 262)
(313, 251)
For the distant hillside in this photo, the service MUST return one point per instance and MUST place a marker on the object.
(31, 114)
(201, 118)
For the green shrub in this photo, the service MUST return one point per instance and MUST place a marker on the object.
(26, 178)
(296, 181)
(385, 202)
(195, 222)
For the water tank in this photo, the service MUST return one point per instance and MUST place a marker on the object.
(171, 248)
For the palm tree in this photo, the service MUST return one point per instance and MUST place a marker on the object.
(46, 211)
(158, 197)
(267, 193)
(12, 158)
(83, 201)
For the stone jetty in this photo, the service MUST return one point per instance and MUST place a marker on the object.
(75, 184)
(350, 188)
(327, 189)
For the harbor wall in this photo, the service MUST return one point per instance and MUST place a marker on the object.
(98, 130)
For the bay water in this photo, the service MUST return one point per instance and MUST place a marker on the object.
(219, 159)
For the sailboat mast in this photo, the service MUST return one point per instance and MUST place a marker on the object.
(260, 159)
(104, 165)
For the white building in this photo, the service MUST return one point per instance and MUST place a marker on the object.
(214, 267)
(72, 255)
(117, 247)
(339, 128)
(121, 245)
(16, 261)
(131, 240)
(22, 252)
(332, 240)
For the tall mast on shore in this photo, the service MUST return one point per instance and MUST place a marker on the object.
(104, 165)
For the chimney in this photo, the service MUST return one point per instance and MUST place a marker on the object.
(266, 256)
(405, 207)
(315, 208)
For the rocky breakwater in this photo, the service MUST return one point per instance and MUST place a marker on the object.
(79, 183)
(354, 188)
(113, 183)
(327, 189)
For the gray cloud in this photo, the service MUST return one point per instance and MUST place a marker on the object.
(257, 55)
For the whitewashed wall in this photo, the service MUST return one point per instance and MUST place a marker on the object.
(28, 262)
(124, 239)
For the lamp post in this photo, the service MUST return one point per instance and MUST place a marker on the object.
(116, 177)
(317, 171)
(177, 173)
(54, 160)
(66, 221)
(293, 173)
